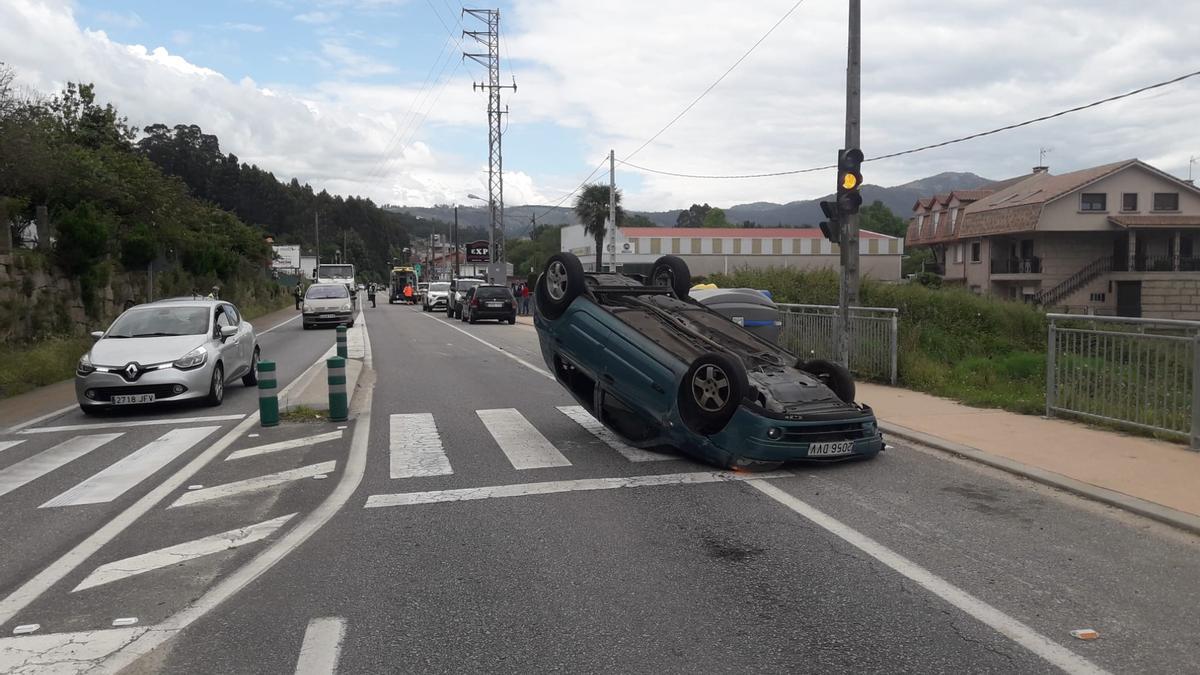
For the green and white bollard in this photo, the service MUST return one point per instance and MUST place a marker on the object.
(343, 349)
(339, 404)
(268, 400)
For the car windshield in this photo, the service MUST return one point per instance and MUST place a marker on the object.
(440, 287)
(493, 292)
(326, 292)
(465, 285)
(336, 271)
(160, 322)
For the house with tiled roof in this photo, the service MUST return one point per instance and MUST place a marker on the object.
(1120, 238)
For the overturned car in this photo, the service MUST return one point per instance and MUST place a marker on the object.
(658, 368)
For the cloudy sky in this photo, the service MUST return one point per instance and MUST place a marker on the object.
(372, 97)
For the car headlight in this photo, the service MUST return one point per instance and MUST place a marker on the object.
(85, 366)
(192, 359)
(346, 307)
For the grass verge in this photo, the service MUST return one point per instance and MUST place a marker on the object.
(303, 414)
(29, 366)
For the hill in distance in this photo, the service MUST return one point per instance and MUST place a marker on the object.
(806, 213)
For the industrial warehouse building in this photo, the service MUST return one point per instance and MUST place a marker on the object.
(724, 250)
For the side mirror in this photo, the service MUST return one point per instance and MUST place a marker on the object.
(97, 334)
(228, 332)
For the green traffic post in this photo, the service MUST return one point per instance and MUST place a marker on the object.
(339, 405)
(268, 400)
(342, 348)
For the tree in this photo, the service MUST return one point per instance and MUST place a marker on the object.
(749, 225)
(693, 217)
(591, 207)
(638, 220)
(877, 217)
(715, 218)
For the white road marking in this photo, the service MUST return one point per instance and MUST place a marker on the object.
(514, 357)
(322, 646)
(281, 324)
(173, 555)
(41, 418)
(55, 572)
(556, 486)
(112, 482)
(253, 484)
(125, 621)
(593, 425)
(523, 444)
(1006, 625)
(285, 445)
(4, 445)
(35, 467)
(27, 628)
(177, 421)
(416, 447)
(71, 652)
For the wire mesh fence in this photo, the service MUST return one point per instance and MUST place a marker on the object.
(1135, 372)
(810, 331)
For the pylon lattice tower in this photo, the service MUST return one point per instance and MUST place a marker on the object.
(490, 39)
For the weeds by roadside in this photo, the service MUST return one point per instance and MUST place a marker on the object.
(29, 366)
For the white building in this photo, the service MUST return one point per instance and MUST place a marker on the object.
(724, 250)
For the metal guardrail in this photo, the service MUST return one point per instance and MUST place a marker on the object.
(811, 331)
(1136, 372)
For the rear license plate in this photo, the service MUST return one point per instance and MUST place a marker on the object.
(495, 305)
(831, 449)
(328, 316)
(130, 399)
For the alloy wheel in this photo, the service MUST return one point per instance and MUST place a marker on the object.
(710, 388)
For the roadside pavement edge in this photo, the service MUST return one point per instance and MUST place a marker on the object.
(1137, 505)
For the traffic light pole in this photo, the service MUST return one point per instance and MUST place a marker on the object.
(848, 289)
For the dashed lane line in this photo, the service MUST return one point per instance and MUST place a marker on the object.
(322, 647)
(179, 553)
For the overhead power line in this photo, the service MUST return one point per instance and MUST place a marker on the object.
(718, 80)
(576, 190)
(931, 146)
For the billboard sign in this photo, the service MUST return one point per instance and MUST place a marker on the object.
(286, 257)
(477, 251)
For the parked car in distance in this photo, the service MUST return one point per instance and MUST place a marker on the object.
(435, 297)
(487, 301)
(657, 367)
(170, 350)
(457, 293)
(419, 292)
(327, 305)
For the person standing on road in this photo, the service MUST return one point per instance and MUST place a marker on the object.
(408, 293)
(525, 299)
(298, 293)
(371, 293)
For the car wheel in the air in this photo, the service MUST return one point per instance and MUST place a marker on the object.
(832, 375)
(672, 272)
(711, 391)
(216, 388)
(559, 285)
(250, 379)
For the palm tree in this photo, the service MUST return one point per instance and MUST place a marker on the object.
(591, 207)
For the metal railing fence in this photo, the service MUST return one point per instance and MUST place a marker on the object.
(1136, 372)
(811, 331)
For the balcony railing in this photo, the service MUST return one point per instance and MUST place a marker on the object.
(1017, 265)
(1156, 263)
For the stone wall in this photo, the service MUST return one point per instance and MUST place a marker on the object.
(1175, 298)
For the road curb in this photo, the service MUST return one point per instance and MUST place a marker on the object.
(1142, 507)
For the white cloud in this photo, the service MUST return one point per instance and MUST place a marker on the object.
(317, 17)
(181, 37)
(243, 27)
(351, 63)
(127, 20)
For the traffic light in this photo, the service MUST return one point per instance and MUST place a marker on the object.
(849, 180)
(832, 228)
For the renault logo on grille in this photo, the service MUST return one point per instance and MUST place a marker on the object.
(132, 371)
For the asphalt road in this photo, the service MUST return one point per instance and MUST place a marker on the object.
(446, 557)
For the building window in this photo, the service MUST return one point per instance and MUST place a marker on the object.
(1129, 201)
(953, 218)
(1097, 297)
(1093, 201)
(1166, 201)
(958, 253)
(976, 255)
(937, 215)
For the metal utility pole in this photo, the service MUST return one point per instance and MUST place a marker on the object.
(317, 225)
(848, 290)
(612, 209)
(455, 238)
(491, 40)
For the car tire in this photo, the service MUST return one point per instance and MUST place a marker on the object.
(307, 326)
(559, 284)
(250, 379)
(711, 391)
(672, 272)
(216, 387)
(832, 375)
(512, 320)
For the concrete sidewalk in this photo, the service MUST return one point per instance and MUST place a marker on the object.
(1058, 452)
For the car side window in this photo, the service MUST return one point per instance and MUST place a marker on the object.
(222, 319)
(235, 319)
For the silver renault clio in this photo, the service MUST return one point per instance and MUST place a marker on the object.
(170, 350)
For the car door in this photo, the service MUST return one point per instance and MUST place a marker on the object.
(230, 348)
(245, 335)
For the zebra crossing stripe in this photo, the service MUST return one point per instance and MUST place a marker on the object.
(253, 484)
(44, 462)
(177, 421)
(322, 646)
(133, 469)
(173, 555)
(593, 425)
(4, 445)
(416, 447)
(285, 445)
(521, 442)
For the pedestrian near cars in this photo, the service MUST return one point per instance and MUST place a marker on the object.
(371, 293)
(408, 293)
(525, 299)
(298, 293)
